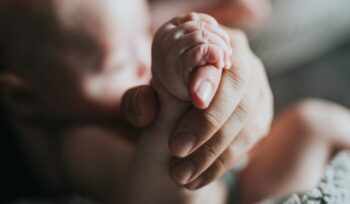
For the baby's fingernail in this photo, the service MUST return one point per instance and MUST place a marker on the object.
(204, 91)
(183, 144)
(183, 172)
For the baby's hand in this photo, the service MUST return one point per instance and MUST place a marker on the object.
(188, 55)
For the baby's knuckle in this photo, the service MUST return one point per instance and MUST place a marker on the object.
(176, 35)
(204, 35)
(199, 37)
(201, 25)
(204, 49)
(196, 37)
(193, 16)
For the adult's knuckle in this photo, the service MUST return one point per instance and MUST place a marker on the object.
(244, 108)
(212, 120)
(218, 167)
(230, 157)
(207, 153)
(236, 80)
(248, 139)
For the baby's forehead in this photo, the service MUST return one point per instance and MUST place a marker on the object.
(73, 26)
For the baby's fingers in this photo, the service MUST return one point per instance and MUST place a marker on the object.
(203, 85)
(201, 55)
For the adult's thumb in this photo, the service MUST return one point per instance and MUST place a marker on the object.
(139, 106)
(204, 85)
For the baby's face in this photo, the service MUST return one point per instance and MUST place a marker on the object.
(107, 52)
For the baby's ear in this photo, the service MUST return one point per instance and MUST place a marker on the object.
(16, 95)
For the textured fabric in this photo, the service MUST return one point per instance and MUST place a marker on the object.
(334, 188)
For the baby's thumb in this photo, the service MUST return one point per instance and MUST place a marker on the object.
(139, 106)
(204, 83)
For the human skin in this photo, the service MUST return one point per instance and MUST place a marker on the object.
(149, 180)
(90, 92)
(216, 138)
(71, 132)
(247, 115)
(294, 155)
(98, 57)
(62, 88)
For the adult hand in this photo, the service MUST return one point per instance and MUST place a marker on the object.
(211, 141)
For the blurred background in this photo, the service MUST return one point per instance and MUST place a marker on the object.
(305, 46)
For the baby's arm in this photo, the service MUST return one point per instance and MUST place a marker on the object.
(293, 157)
(186, 43)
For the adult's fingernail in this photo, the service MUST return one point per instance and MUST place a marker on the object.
(183, 172)
(195, 184)
(183, 144)
(204, 91)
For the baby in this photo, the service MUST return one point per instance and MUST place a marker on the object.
(66, 65)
